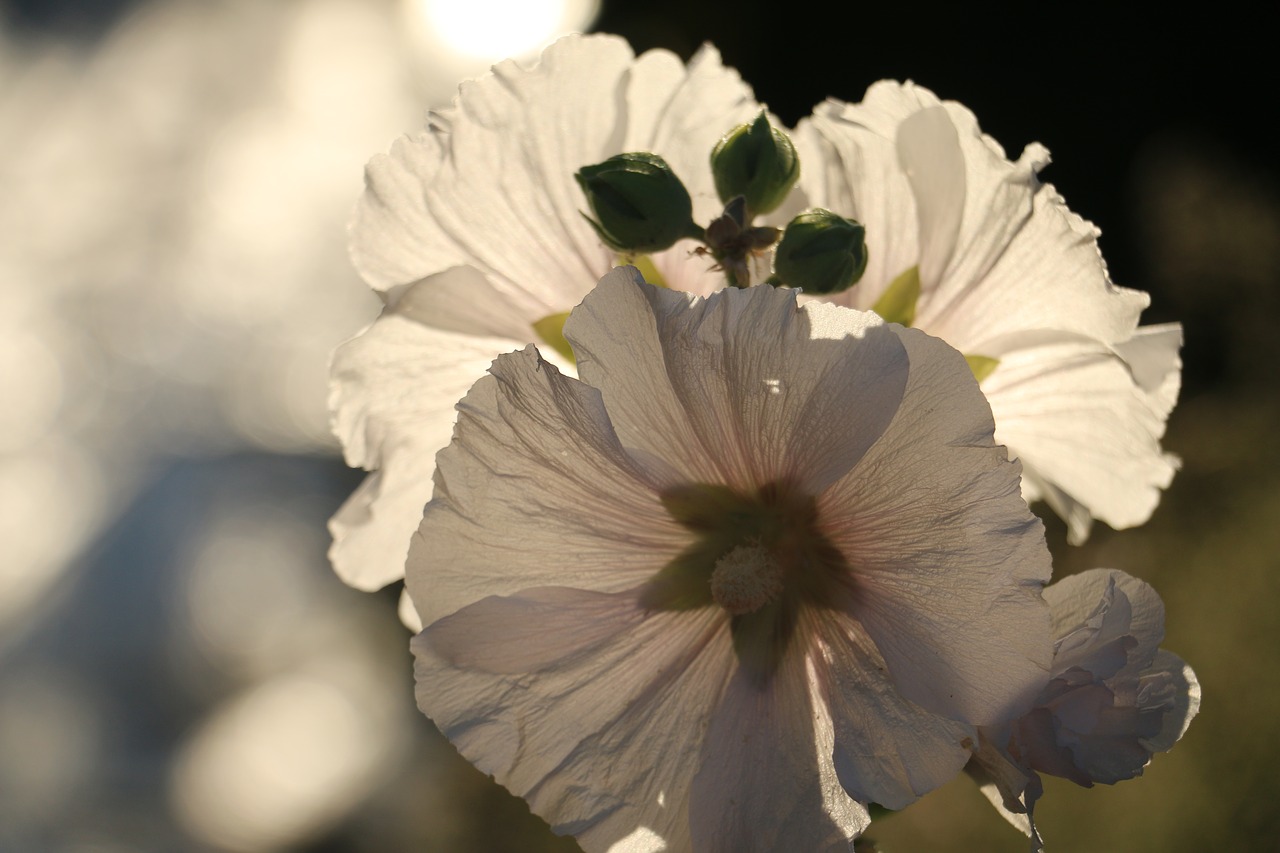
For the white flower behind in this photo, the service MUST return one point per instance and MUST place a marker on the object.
(1006, 272)
(473, 233)
(763, 565)
(1114, 700)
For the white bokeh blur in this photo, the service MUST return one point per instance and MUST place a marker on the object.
(173, 278)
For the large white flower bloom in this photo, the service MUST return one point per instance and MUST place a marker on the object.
(1115, 698)
(762, 565)
(472, 231)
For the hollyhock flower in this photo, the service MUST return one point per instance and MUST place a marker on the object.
(474, 233)
(762, 565)
(1115, 698)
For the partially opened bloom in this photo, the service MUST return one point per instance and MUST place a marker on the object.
(1115, 698)
(475, 233)
(762, 565)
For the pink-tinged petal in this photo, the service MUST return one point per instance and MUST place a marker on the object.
(1088, 436)
(394, 388)
(886, 750)
(1133, 609)
(948, 562)
(742, 388)
(535, 490)
(587, 706)
(766, 782)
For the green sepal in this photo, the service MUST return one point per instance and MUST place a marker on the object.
(550, 330)
(982, 365)
(898, 302)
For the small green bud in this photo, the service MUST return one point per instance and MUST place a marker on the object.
(757, 161)
(639, 203)
(821, 252)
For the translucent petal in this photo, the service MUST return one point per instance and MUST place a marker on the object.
(535, 491)
(394, 388)
(594, 739)
(1087, 434)
(764, 783)
(947, 560)
(742, 388)
(886, 750)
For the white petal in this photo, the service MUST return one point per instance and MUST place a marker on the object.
(766, 782)
(742, 388)
(852, 169)
(1018, 259)
(490, 182)
(886, 750)
(535, 491)
(1072, 599)
(1087, 434)
(394, 388)
(1183, 695)
(947, 560)
(394, 239)
(595, 739)
(686, 116)
(930, 156)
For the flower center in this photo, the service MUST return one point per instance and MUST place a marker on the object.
(746, 579)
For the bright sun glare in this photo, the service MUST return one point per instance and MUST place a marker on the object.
(498, 28)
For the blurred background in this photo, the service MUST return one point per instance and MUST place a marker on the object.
(179, 669)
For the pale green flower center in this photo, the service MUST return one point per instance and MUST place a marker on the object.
(746, 579)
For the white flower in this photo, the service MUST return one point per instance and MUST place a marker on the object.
(1115, 698)
(762, 565)
(473, 233)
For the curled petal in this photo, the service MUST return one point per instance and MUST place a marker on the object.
(1087, 434)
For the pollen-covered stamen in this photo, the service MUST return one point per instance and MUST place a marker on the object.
(746, 579)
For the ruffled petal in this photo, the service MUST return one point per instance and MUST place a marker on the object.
(886, 749)
(1075, 598)
(490, 182)
(742, 388)
(582, 703)
(394, 388)
(998, 251)
(535, 490)
(766, 781)
(1088, 435)
(948, 562)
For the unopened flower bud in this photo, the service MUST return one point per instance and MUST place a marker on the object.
(639, 203)
(757, 161)
(821, 252)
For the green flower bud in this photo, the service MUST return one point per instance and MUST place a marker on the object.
(821, 252)
(639, 203)
(757, 161)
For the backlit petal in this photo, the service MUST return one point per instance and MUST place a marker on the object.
(535, 491)
(947, 559)
(394, 388)
(582, 703)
